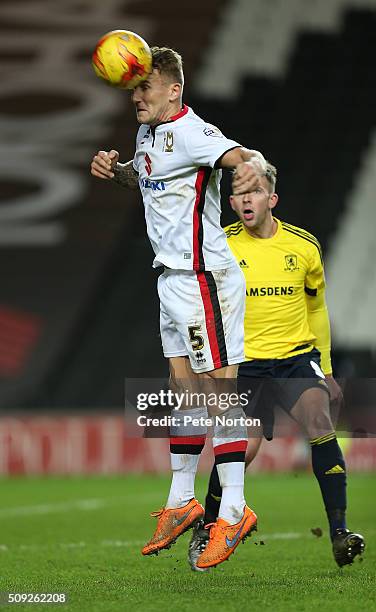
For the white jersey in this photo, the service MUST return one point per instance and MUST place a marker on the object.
(180, 187)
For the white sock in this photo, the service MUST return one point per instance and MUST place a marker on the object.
(184, 465)
(229, 437)
(232, 501)
(182, 489)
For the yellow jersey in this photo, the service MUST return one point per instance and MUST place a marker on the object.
(285, 311)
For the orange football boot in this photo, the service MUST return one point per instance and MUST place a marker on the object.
(172, 522)
(224, 538)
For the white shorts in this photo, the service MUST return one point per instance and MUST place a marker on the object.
(202, 316)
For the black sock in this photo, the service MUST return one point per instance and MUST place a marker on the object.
(330, 470)
(213, 498)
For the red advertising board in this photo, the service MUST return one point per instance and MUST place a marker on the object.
(99, 445)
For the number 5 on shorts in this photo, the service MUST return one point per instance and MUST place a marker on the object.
(196, 340)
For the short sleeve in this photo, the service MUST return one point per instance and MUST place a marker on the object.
(315, 277)
(205, 144)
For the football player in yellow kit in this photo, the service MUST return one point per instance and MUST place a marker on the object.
(287, 350)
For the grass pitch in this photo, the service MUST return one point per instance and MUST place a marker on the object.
(83, 536)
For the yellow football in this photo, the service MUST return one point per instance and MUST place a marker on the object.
(122, 58)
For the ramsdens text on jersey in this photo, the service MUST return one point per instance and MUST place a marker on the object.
(262, 291)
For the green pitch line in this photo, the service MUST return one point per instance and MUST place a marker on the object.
(83, 536)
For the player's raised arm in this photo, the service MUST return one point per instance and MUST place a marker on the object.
(248, 165)
(105, 165)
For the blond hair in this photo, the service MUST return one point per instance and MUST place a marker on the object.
(271, 175)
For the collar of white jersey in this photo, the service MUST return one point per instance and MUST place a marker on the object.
(178, 115)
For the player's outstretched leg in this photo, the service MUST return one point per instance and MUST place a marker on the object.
(330, 470)
(235, 520)
(200, 535)
(182, 510)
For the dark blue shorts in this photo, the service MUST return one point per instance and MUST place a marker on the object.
(278, 382)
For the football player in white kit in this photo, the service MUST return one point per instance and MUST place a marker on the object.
(177, 166)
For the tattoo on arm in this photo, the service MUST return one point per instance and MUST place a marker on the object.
(126, 175)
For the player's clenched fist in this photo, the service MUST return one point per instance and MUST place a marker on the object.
(103, 164)
(247, 173)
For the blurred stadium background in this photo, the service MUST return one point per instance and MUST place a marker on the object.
(78, 303)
